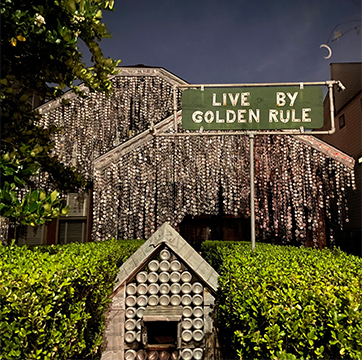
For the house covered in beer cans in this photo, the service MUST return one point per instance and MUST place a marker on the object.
(140, 179)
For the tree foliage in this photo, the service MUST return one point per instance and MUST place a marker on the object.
(40, 56)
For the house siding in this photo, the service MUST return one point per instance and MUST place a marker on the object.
(348, 139)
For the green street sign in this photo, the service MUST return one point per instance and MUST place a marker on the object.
(255, 108)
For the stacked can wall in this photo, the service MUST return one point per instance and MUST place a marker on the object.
(166, 179)
(166, 282)
(96, 124)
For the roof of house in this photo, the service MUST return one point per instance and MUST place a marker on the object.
(168, 236)
(350, 74)
(137, 70)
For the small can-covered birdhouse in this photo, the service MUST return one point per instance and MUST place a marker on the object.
(162, 306)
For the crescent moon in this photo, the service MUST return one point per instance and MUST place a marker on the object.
(329, 50)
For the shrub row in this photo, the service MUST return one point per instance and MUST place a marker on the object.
(214, 251)
(53, 298)
(283, 302)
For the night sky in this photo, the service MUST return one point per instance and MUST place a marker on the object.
(230, 41)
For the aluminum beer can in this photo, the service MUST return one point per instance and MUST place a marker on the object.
(164, 265)
(130, 301)
(153, 289)
(164, 355)
(130, 324)
(186, 354)
(175, 265)
(197, 288)
(130, 336)
(187, 311)
(175, 277)
(198, 335)
(186, 288)
(175, 288)
(164, 300)
(175, 300)
(186, 324)
(164, 277)
(153, 265)
(153, 300)
(198, 311)
(142, 300)
(130, 355)
(186, 299)
(197, 300)
(140, 312)
(197, 353)
(186, 276)
(152, 355)
(186, 335)
(130, 312)
(131, 289)
(152, 277)
(174, 355)
(198, 323)
(141, 355)
(164, 288)
(142, 289)
(165, 254)
(141, 277)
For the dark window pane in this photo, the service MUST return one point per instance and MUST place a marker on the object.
(72, 231)
(341, 121)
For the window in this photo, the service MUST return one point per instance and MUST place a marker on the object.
(30, 235)
(161, 328)
(73, 226)
(70, 228)
(161, 332)
(77, 205)
(342, 122)
(72, 231)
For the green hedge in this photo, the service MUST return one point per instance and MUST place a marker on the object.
(213, 251)
(283, 302)
(53, 298)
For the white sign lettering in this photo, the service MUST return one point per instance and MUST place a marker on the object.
(288, 115)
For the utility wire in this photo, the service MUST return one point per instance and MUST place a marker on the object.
(346, 22)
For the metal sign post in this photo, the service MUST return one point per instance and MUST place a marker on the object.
(229, 112)
(252, 199)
